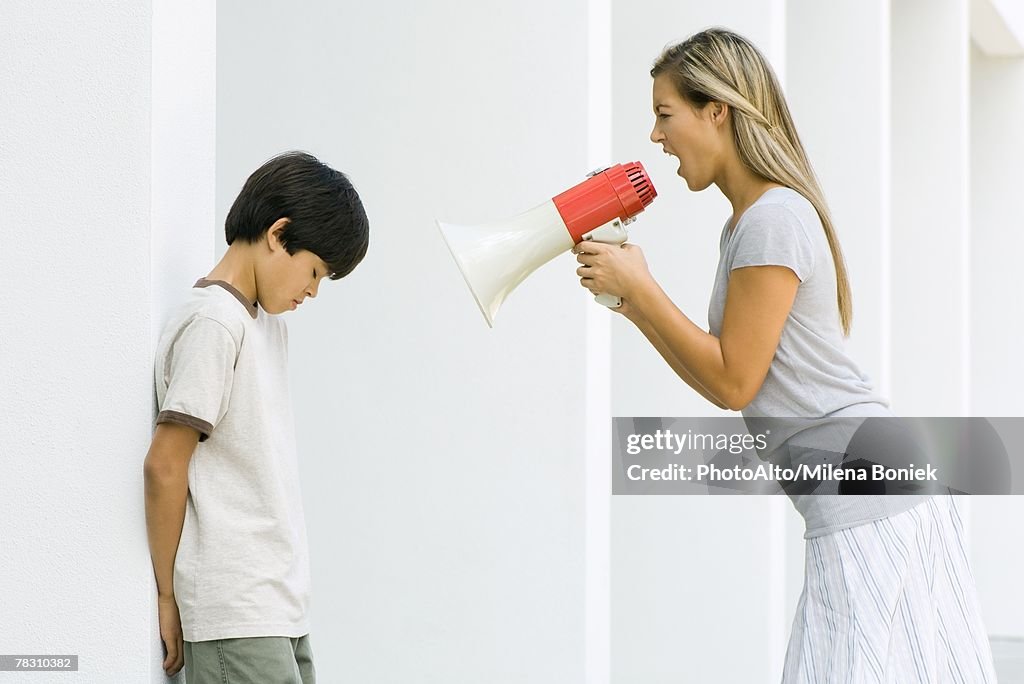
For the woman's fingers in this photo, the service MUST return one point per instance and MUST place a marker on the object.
(591, 247)
(588, 252)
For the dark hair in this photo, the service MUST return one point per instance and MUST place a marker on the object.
(325, 214)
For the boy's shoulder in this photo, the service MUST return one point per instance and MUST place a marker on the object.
(208, 301)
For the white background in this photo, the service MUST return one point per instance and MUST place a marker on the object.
(455, 476)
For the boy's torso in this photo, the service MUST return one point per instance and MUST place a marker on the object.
(242, 567)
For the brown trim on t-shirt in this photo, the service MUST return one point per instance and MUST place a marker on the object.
(249, 306)
(189, 421)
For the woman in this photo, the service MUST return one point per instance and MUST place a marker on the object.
(888, 593)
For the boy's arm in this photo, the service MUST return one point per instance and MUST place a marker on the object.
(166, 476)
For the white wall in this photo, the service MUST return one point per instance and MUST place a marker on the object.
(997, 232)
(930, 239)
(838, 88)
(107, 191)
(442, 465)
(686, 571)
(184, 96)
(997, 322)
(75, 363)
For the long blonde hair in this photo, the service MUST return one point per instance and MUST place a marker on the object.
(718, 65)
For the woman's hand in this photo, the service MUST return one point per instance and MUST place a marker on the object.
(629, 311)
(611, 269)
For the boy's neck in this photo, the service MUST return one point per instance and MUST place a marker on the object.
(236, 269)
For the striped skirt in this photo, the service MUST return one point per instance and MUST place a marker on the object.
(890, 601)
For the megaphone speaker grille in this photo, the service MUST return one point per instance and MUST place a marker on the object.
(621, 191)
(641, 183)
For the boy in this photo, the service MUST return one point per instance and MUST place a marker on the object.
(221, 475)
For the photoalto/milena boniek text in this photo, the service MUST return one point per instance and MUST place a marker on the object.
(773, 455)
(769, 472)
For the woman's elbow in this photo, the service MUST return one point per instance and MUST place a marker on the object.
(739, 397)
(736, 405)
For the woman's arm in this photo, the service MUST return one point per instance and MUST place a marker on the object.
(644, 326)
(733, 366)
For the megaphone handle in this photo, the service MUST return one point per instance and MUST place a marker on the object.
(612, 233)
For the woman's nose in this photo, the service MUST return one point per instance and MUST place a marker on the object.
(655, 134)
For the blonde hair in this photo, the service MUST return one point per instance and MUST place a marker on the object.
(718, 65)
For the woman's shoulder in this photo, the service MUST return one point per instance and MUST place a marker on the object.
(783, 207)
(786, 199)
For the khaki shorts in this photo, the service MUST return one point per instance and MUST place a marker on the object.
(254, 660)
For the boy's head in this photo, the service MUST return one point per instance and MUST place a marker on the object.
(307, 222)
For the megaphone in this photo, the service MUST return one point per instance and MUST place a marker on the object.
(495, 257)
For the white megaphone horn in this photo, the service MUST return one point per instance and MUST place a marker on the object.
(494, 258)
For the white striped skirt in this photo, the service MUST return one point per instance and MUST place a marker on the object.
(890, 601)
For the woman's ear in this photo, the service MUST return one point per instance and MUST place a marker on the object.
(719, 112)
(273, 235)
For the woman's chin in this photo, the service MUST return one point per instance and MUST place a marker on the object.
(682, 174)
(695, 185)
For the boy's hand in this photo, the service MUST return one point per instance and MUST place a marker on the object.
(170, 633)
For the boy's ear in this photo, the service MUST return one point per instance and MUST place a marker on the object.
(273, 236)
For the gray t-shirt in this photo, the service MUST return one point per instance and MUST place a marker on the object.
(242, 566)
(811, 375)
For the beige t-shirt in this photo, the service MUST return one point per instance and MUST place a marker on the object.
(242, 567)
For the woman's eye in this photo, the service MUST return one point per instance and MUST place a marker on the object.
(663, 116)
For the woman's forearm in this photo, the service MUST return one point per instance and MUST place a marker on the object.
(644, 326)
(696, 353)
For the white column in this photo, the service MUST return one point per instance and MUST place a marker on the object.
(84, 104)
(597, 560)
(184, 96)
(997, 322)
(837, 84)
(182, 187)
(838, 88)
(997, 227)
(682, 572)
(930, 342)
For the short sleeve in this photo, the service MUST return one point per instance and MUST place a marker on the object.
(772, 235)
(199, 373)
